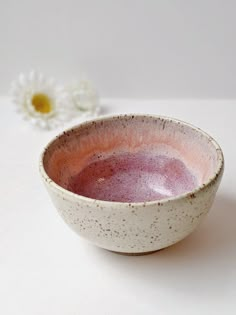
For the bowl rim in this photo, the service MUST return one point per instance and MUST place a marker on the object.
(218, 170)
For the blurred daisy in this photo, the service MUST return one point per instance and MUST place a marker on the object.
(40, 101)
(84, 97)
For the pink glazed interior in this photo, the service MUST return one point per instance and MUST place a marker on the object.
(131, 159)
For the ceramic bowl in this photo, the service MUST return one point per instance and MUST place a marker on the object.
(168, 174)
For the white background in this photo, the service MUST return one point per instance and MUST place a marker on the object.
(46, 269)
(129, 48)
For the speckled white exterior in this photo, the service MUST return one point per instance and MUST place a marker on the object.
(136, 228)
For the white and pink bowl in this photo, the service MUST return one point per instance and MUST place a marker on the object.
(133, 184)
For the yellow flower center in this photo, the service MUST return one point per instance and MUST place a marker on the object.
(42, 103)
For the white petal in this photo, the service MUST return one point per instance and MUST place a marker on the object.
(32, 75)
(22, 80)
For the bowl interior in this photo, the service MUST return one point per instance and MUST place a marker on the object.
(131, 159)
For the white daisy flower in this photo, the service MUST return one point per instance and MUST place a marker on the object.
(39, 100)
(84, 97)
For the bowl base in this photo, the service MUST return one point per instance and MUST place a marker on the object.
(136, 254)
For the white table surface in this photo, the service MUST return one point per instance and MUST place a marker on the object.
(45, 268)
